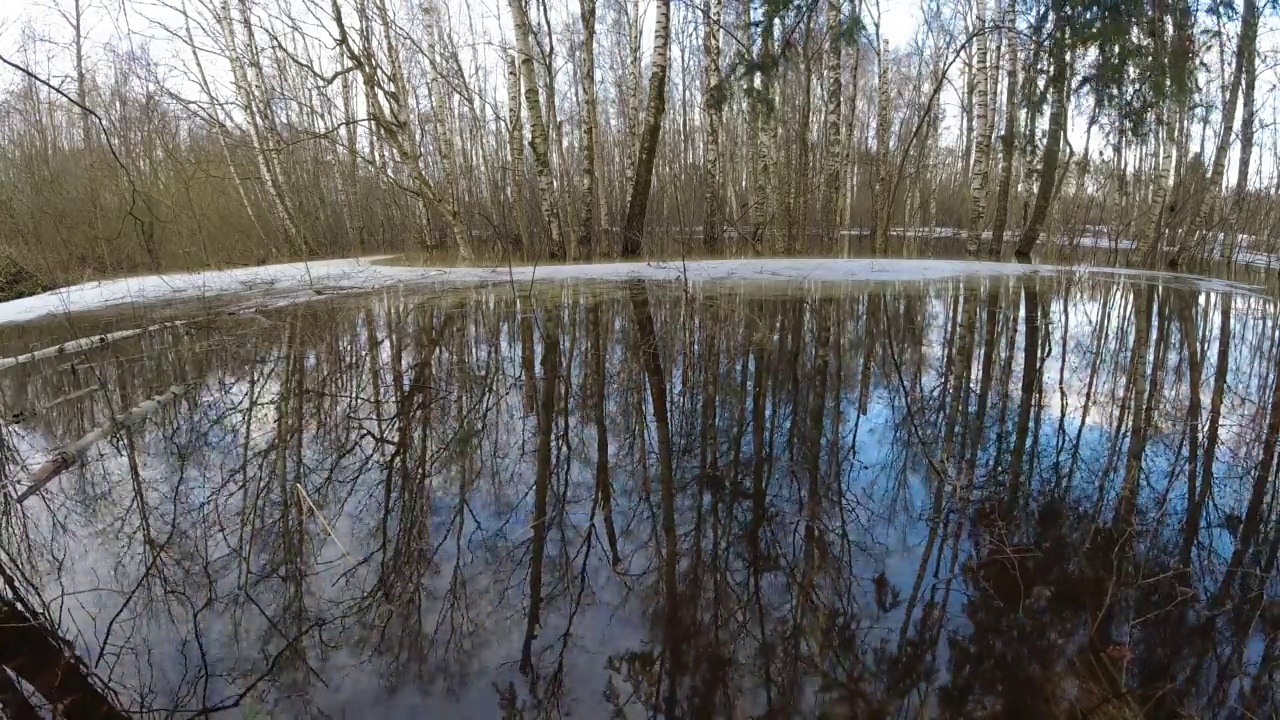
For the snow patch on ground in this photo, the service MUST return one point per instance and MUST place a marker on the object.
(292, 282)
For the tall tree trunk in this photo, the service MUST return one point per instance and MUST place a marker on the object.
(1249, 47)
(1136, 400)
(982, 146)
(1008, 137)
(590, 126)
(82, 83)
(550, 381)
(515, 146)
(1263, 484)
(1053, 144)
(647, 339)
(1194, 238)
(539, 141)
(391, 116)
(1028, 389)
(883, 210)
(832, 141)
(713, 109)
(250, 97)
(764, 106)
(638, 205)
(1160, 189)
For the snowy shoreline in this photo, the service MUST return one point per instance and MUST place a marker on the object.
(310, 279)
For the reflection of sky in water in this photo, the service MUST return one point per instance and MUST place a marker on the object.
(199, 604)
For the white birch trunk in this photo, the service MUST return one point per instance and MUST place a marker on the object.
(982, 144)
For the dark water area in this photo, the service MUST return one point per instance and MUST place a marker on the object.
(1030, 496)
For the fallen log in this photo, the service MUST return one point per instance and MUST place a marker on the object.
(84, 343)
(69, 456)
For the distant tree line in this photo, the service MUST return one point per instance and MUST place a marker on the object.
(214, 132)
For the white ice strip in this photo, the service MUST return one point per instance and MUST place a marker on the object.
(330, 276)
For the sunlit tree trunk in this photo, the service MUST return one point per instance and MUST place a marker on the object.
(539, 141)
(982, 146)
(1160, 188)
(515, 146)
(243, 52)
(765, 99)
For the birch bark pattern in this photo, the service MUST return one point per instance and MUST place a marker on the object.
(712, 108)
(390, 118)
(982, 146)
(248, 95)
(538, 139)
(515, 147)
(587, 207)
(882, 208)
(69, 456)
(1160, 190)
(762, 204)
(1009, 134)
(832, 140)
(638, 205)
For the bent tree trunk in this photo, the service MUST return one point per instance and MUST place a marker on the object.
(638, 205)
(1053, 144)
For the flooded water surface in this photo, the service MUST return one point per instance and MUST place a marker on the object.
(1020, 496)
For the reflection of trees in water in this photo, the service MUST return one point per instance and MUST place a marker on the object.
(1021, 497)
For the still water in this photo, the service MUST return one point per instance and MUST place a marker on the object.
(1036, 496)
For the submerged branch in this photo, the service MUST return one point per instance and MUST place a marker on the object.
(69, 456)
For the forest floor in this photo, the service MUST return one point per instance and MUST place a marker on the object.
(296, 282)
